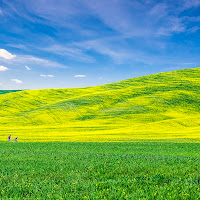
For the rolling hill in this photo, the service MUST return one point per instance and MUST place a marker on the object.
(159, 106)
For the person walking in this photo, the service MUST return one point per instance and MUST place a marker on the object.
(9, 138)
(16, 139)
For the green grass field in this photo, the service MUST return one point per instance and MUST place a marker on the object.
(140, 170)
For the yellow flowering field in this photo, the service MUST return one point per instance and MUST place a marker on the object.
(156, 107)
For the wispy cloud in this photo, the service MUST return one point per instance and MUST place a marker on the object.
(16, 81)
(193, 29)
(173, 25)
(190, 4)
(119, 54)
(130, 18)
(80, 76)
(49, 12)
(2, 68)
(14, 9)
(159, 10)
(27, 68)
(5, 54)
(141, 19)
(29, 59)
(114, 14)
(17, 46)
(71, 52)
(188, 63)
(49, 76)
(191, 19)
(1, 12)
(41, 61)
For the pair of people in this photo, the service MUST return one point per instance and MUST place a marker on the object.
(9, 138)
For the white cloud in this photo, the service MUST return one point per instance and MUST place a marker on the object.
(51, 76)
(80, 76)
(2, 68)
(43, 75)
(5, 54)
(27, 68)
(16, 81)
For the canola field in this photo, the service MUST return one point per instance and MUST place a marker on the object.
(163, 106)
(75, 170)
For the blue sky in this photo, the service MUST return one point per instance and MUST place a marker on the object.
(66, 43)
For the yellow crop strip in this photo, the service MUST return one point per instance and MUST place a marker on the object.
(156, 107)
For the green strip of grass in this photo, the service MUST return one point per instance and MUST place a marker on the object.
(144, 170)
(8, 91)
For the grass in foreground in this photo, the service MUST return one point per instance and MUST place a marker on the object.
(143, 170)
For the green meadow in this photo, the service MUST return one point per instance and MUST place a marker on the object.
(134, 139)
(70, 170)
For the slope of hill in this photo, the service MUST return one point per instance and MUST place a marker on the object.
(158, 106)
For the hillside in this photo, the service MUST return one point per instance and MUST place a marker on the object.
(158, 106)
